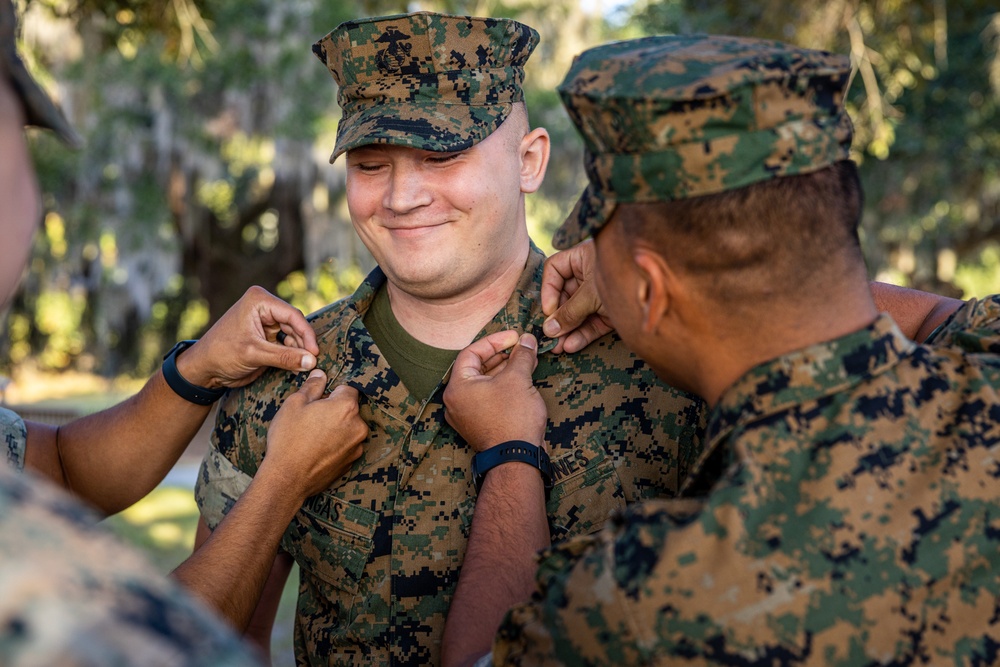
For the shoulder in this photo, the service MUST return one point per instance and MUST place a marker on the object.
(13, 436)
(62, 578)
(332, 316)
(973, 328)
(608, 367)
(338, 315)
(246, 412)
(264, 395)
(606, 356)
(592, 586)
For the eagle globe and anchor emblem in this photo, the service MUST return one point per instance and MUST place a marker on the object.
(391, 58)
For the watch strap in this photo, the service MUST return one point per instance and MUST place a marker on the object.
(189, 392)
(512, 450)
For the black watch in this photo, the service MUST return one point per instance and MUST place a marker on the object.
(189, 392)
(514, 450)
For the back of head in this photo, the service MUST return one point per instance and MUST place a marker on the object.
(787, 239)
(724, 150)
(425, 80)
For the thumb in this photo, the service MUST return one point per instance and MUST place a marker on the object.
(584, 303)
(469, 362)
(345, 392)
(523, 356)
(287, 358)
(314, 385)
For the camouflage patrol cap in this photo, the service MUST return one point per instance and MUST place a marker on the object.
(39, 109)
(673, 117)
(425, 80)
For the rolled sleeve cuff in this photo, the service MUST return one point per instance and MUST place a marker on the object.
(15, 438)
(973, 328)
(220, 484)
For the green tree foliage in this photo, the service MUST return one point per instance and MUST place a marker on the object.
(209, 123)
(200, 174)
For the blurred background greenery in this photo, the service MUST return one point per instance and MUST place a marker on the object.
(209, 124)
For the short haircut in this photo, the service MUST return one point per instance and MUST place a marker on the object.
(517, 121)
(759, 240)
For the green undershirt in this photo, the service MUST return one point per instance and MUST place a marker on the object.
(419, 366)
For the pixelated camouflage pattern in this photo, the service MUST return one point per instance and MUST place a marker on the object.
(971, 328)
(74, 596)
(672, 117)
(39, 108)
(425, 80)
(846, 511)
(14, 436)
(380, 550)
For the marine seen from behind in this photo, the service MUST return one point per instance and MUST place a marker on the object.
(845, 507)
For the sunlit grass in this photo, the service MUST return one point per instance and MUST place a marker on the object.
(162, 524)
(82, 392)
(162, 504)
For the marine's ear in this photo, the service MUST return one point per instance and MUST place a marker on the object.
(656, 287)
(534, 153)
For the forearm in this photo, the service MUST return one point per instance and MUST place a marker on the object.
(508, 529)
(115, 457)
(916, 313)
(229, 571)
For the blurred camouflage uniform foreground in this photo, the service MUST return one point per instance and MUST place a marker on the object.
(71, 594)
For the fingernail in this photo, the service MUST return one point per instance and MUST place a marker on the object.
(317, 373)
(550, 328)
(308, 361)
(528, 341)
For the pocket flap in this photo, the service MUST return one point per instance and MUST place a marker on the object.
(332, 539)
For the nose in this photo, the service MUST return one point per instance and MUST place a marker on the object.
(408, 189)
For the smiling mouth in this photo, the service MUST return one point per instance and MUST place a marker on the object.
(408, 232)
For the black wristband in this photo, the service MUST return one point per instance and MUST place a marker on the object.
(513, 450)
(189, 392)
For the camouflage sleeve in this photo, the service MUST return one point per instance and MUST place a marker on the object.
(590, 589)
(15, 437)
(220, 483)
(974, 328)
(574, 617)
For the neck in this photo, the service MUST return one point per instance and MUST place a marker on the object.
(729, 349)
(451, 323)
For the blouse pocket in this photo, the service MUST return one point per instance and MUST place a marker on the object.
(332, 540)
(586, 490)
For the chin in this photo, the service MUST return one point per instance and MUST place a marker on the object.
(423, 284)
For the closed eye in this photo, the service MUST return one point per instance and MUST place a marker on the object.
(367, 167)
(443, 158)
